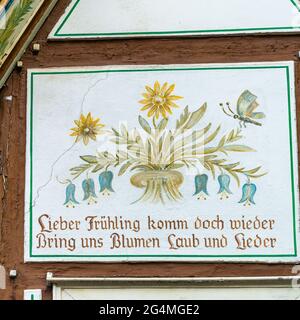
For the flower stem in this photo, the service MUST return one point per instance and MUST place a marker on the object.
(154, 123)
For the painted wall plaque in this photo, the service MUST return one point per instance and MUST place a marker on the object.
(96, 18)
(15, 16)
(160, 163)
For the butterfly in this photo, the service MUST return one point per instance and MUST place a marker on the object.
(246, 106)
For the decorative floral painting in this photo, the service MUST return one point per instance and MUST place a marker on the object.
(175, 18)
(15, 15)
(155, 163)
(162, 152)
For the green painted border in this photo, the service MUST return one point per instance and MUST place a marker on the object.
(77, 35)
(286, 68)
(296, 4)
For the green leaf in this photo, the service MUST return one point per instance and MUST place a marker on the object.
(89, 159)
(149, 147)
(257, 175)
(194, 137)
(233, 136)
(231, 166)
(144, 124)
(230, 135)
(136, 149)
(116, 141)
(160, 143)
(124, 167)
(210, 157)
(115, 132)
(186, 163)
(16, 17)
(162, 124)
(252, 171)
(211, 137)
(196, 117)
(175, 166)
(210, 150)
(183, 118)
(77, 171)
(222, 142)
(97, 168)
(238, 148)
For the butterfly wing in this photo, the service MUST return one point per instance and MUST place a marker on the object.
(257, 115)
(254, 115)
(246, 104)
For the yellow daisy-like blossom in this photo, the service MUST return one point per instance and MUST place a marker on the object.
(86, 128)
(159, 100)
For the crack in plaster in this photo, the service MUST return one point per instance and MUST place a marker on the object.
(40, 188)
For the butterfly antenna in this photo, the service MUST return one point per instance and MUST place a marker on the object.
(228, 106)
(222, 106)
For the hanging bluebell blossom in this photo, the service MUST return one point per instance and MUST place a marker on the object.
(224, 182)
(105, 181)
(70, 196)
(249, 190)
(201, 186)
(88, 187)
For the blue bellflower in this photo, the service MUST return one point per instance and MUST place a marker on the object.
(88, 187)
(105, 181)
(70, 201)
(249, 190)
(201, 186)
(224, 182)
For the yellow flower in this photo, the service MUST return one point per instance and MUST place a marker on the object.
(86, 128)
(159, 100)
